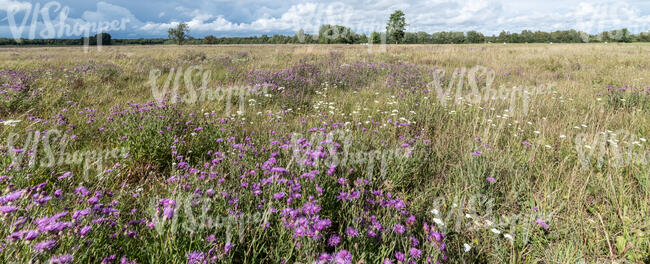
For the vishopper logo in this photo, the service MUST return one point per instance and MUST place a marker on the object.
(179, 214)
(602, 17)
(617, 149)
(61, 27)
(332, 149)
(321, 21)
(476, 213)
(48, 155)
(179, 86)
(476, 76)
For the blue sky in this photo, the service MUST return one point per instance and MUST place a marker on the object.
(145, 18)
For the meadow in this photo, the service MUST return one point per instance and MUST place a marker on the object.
(478, 153)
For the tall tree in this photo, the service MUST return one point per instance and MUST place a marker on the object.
(396, 26)
(179, 33)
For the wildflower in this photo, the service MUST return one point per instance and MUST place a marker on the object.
(542, 223)
(85, 230)
(7, 209)
(416, 253)
(11, 196)
(351, 232)
(66, 258)
(227, 247)
(343, 257)
(279, 195)
(65, 175)
(195, 257)
(82, 191)
(333, 240)
(31, 235)
(400, 256)
(45, 245)
(467, 247)
(491, 180)
(400, 229)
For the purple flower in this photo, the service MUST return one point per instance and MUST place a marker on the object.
(400, 256)
(85, 230)
(343, 257)
(400, 229)
(66, 258)
(195, 257)
(351, 232)
(82, 191)
(334, 240)
(491, 180)
(31, 235)
(526, 143)
(387, 261)
(11, 197)
(45, 245)
(279, 195)
(542, 223)
(227, 247)
(410, 220)
(416, 253)
(7, 209)
(65, 175)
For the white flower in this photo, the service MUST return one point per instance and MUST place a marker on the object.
(438, 221)
(11, 122)
(467, 247)
(494, 230)
(508, 236)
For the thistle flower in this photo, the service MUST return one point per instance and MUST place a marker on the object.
(416, 253)
(334, 240)
(400, 256)
(398, 228)
(351, 232)
(343, 257)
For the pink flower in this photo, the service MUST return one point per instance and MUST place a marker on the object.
(542, 223)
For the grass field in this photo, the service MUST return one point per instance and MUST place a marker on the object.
(531, 153)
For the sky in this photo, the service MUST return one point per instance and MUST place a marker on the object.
(150, 19)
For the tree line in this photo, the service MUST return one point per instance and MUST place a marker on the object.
(336, 34)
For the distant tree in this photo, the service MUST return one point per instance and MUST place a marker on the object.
(475, 37)
(92, 40)
(335, 34)
(527, 36)
(210, 39)
(396, 26)
(622, 35)
(179, 33)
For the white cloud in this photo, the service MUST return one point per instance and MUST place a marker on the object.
(249, 17)
(6, 5)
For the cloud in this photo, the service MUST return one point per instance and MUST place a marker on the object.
(248, 17)
(53, 20)
(6, 5)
